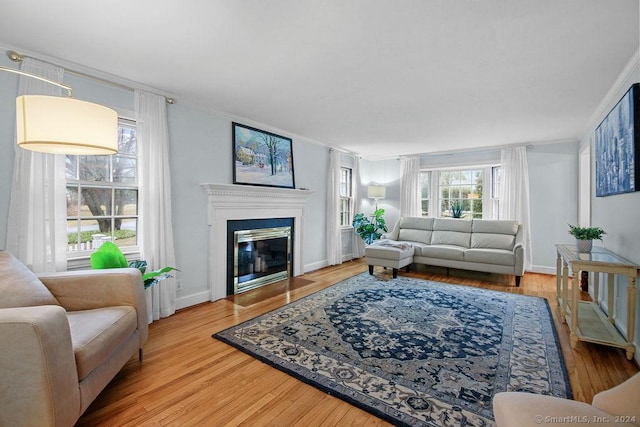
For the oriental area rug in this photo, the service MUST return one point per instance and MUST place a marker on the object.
(413, 352)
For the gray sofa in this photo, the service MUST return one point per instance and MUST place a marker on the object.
(491, 246)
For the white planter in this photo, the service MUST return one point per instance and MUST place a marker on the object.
(584, 245)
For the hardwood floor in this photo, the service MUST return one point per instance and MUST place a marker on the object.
(190, 379)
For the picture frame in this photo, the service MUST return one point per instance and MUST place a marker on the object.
(262, 158)
(617, 141)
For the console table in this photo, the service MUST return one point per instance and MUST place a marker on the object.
(586, 319)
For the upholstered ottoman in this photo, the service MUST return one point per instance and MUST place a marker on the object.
(389, 254)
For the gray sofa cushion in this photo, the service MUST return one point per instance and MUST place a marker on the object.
(449, 224)
(493, 234)
(490, 256)
(417, 248)
(492, 241)
(495, 226)
(444, 252)
(415, 235)
(456, 232)
(451, 238)
(417, 223)
(415, 229)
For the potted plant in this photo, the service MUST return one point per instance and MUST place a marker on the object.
(370, 228)
(109, 255)
(456, 209)
(585, 236)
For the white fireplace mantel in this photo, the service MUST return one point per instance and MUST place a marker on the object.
(237, 202)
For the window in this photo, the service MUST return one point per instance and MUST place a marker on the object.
(346, 194)
(496, 179)
(460, 192)
(425, 184)
(102, 196)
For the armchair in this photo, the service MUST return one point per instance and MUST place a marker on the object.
(617, 406)
(64, 337)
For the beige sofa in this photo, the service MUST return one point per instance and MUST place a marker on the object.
(491, 246)
(617, 406)
(64, 337)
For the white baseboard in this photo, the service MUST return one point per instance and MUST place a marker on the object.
(314, 266)
(322, 264)
(543, 269)
(193, 299)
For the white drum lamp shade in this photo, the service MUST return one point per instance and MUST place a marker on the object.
(59, 125)
(376, 192)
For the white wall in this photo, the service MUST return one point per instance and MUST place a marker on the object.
(386, 173)
(553, 184)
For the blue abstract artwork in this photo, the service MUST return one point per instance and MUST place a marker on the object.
(615, 147)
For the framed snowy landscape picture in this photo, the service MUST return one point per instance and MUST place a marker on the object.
(261, 158)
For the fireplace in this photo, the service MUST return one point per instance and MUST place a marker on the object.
(227, 203)
(259, 253)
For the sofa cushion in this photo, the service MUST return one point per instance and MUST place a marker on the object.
(447, 231)
(451, 238)
(415, 222)
(415, 235)
(451, 252)
(501, 226)
(450, 224)
(492, 241)
(494, 234)
(417, 248)
(490, 256)
(19, 287)
(96, 333)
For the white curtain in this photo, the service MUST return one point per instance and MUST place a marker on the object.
(410, 187)
(156, 230)
(334, 240)
(357, 244)
(514, 193)
(37, 222)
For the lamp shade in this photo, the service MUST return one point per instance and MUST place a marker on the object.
(376, 192)
(53, 124)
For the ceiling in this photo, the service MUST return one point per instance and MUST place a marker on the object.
(377, 77)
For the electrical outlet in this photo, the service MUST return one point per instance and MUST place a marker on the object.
(179, 285)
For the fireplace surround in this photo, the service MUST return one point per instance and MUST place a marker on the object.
(227, 202)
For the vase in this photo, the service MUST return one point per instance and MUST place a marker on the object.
(584, 245)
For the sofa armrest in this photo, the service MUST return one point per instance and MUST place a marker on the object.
(38, 376)
(88, 289)
(393, 234)
(518, 251)
(622, 400)
(532, 410)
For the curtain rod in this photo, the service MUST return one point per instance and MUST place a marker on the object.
(16, 57)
